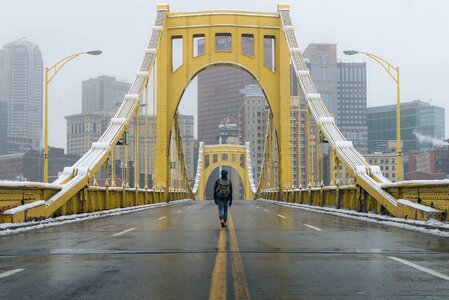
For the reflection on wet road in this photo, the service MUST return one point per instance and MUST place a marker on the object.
(180, 252)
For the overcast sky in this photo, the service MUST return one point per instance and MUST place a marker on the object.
(413, 34)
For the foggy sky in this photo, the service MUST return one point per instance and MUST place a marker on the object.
(413, 34)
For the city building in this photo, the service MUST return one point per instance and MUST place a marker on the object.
(85, 129)
(21, 84)
(429, 165)
(351, 102)
(103, 94)
(386, 162)
(253, 121)
(28, 166)
(420, 123)
(321, 59)
(3, 127)
(218, 97)
(342, 86)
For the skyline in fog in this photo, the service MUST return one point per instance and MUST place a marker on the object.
(122, 28)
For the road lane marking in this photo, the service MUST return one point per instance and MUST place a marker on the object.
(257, 207)
(313, 227)
(238, 273)
(179, 211)
(161, 218)
(218, 283)
(418, 267)
(189, 207)
(265, 210)
(123, 232)
(281, 216)
(10, 272)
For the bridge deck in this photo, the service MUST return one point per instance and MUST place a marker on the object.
(269, 251)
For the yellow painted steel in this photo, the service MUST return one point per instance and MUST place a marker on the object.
(352, 197)
(171, 84)
(234, 156)
(168, 87)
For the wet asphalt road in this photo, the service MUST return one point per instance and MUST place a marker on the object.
(268, 252)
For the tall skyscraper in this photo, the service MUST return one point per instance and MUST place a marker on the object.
(322, 63)
(218, 97)
(21, 84)
(351, 102)
(3, 127)
(253, 120)
(342, 85)
(103, 94)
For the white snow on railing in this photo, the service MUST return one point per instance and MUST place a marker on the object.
(302, 73)
(118, 120)
(250, 168)
(7, 183)
(326, 120)
(418, 206)
(343, 144)
(416, 183)
(24, 207)
(198, 168)
(360, 170)
(375, 170)
(142, 73)
(313, 96)
(132, 97)
(100, 145)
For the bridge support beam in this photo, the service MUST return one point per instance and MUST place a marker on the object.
(284, 134)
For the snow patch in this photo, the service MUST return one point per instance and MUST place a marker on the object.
(13, 228)
(433, 225)
(418, 206)
(415, 183)
(24, 207)
(198, 168)
(5, 183)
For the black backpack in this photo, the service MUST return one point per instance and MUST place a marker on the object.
(224, 188)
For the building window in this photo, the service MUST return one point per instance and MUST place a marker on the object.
(176, 53)
(269, 52)
(206, 161)
(223, 42)
(199, 45)
(248, 44)
(324, 59)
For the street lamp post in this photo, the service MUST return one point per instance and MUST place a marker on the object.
(389, 68)
(48, 78)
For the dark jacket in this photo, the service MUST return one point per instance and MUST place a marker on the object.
(216, 187)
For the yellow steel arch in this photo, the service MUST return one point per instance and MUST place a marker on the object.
(214, 156)
(210, 25)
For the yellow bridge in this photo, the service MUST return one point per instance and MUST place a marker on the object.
(75, 191)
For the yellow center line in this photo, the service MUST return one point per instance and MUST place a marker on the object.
(238, 273)
(218, 283)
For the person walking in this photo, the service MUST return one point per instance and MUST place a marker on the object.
(223, 196)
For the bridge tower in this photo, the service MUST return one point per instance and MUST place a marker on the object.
(210, 27)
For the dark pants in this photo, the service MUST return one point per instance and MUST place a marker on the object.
(223, 209)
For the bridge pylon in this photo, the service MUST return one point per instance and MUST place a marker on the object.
(238, 157)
